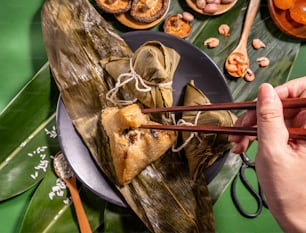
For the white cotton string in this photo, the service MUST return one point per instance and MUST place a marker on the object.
(111, 95)
(123, 79)
(168, 84)
(192, 134)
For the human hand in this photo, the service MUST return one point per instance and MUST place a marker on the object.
(280, 161)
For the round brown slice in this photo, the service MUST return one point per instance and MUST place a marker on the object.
(114, 6)
(147, 11)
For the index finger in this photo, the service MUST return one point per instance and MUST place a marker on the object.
(292, 89)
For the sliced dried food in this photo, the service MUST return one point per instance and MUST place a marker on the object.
(176, 25)
(298, 12)
(285, 22)
(284, 4)
(114, 6)
(147, 11)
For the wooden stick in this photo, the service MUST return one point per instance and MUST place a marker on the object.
(247, 105)
(294, 133)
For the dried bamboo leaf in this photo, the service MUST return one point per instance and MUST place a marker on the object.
(75, 64)
(204, 149)
(157, 73)
(156, 195)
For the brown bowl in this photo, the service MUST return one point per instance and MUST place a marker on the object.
(183, 28)
(127, 20)
(222, 8)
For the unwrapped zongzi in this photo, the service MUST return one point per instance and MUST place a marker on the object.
(133, 148)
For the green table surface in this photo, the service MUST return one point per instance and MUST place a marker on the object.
(22, 54)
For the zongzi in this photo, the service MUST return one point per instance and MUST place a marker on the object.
(149, 83)
(204, 149)
(133, 148)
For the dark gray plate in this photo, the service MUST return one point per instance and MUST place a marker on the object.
(194, 65)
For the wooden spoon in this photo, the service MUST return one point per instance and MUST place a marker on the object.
(237, 63)
(63, 171)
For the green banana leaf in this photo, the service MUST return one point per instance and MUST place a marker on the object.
(280, 49)
(51, 210)
(27, 124)
(28, 135)
(121, 220)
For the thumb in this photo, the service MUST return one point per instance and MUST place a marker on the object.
(272, 130)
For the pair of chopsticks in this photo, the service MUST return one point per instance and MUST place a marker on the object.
(293, 103)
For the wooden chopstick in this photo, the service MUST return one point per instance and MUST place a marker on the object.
(247, 105)
(294, 133)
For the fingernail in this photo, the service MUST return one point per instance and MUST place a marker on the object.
(267, 93)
